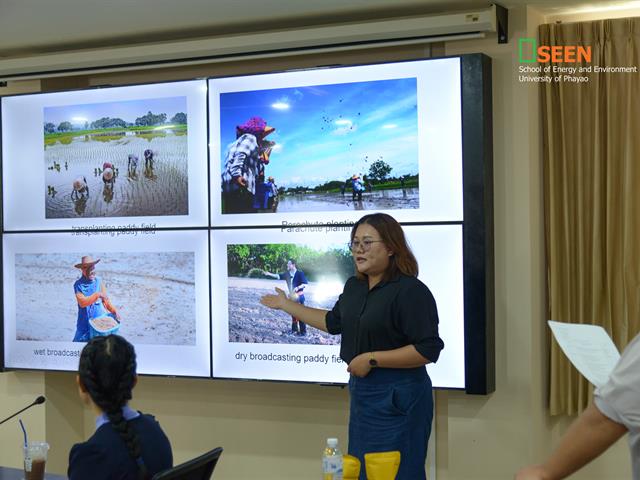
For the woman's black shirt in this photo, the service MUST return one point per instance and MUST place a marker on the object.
(393, 314)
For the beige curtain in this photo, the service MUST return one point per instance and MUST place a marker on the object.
(591, 135)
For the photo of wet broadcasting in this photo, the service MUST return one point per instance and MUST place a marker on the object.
(116, 159)
(149, 297)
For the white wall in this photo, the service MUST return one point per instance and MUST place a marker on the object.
(17, 390)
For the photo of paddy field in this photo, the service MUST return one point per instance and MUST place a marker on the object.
(153, 292)
(335, 147)
(116, 159)
(255, 270)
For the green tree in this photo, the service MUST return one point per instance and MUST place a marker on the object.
(180, 118)
(151, 119)
(237, 258)
(65, 127)
(328, 186)
(49, 128)
(243, 260)
(106, 122)
(379, 171)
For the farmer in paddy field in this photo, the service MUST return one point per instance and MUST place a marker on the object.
(93, 302)
(244, 167)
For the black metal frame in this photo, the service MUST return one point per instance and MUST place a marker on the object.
(477, 181)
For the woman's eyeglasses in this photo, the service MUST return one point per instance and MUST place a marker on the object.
(355, 245)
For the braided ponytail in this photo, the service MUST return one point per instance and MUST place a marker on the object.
(108, 372)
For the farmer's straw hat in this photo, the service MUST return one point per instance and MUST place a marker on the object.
(87, 261)
(255, 126)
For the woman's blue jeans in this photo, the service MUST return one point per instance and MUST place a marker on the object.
(392, 409)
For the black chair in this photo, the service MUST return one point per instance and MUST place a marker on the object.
(200, 468)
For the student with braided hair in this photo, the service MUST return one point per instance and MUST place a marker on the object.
(126, 445)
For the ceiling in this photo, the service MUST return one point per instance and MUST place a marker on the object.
(31, 27)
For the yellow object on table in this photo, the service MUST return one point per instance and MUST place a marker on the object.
(382, 465)
(350, 467)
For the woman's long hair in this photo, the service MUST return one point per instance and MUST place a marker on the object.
(402, 261)
(108, 372)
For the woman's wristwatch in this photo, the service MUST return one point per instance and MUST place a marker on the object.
(373, 363)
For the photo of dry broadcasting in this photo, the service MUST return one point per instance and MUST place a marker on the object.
(152, 295)
(116, 159)
(309, 274)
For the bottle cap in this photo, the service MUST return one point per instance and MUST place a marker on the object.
(332, 442)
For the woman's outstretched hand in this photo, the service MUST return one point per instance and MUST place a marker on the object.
(276, 301)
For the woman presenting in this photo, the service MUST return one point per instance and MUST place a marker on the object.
(389, 325)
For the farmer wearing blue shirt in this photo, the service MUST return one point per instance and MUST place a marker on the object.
(92, 298)
(357, 187)
(296, 283)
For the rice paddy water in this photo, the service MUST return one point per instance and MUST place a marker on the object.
(158, 190)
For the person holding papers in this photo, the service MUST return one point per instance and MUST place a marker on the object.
(614, 412)
(389, 325)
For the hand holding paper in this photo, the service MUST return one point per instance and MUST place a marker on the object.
(589, 348)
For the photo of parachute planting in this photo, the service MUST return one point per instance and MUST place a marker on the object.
(320, 148)
(116, 159)
(313, 275)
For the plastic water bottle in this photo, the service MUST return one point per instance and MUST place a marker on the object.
(332, 461)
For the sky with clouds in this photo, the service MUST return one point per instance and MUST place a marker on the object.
(126, 110)
(330, 132)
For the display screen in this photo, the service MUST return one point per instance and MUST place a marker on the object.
(132, 157)
(182, 203)
(157, 283)
(252, 341)
(345, 141)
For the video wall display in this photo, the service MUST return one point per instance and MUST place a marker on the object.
(132, 157)
(152, 287)
(252, 341)
(163, 212)
(332, 144)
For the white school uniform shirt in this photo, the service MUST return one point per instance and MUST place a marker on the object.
(619, 399)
